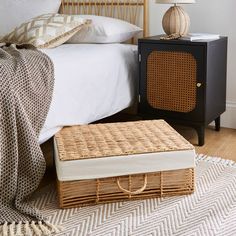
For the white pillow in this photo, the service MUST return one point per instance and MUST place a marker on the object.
(15, 12)
(105, 30)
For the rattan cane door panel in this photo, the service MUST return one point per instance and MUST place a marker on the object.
(171, 81)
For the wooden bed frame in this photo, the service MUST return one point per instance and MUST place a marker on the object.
(133, 11)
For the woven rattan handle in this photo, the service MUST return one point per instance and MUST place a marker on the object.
(134, 192)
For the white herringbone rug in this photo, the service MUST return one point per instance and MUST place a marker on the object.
(211, 210)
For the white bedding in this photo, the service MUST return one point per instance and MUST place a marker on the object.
(92, 81)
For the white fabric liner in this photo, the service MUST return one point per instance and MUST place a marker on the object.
(92, 81)
(122, 165)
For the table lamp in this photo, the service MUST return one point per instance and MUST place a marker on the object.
(176, 20)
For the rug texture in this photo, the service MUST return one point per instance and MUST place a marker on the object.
(26, 87)
(211, 210)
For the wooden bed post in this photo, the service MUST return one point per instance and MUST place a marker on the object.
(146, 18)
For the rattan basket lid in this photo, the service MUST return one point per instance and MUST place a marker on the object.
(118, 139)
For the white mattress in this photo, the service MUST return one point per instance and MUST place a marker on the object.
(123, 165)
(92, 81)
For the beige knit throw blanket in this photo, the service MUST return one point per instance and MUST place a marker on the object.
(26, 87)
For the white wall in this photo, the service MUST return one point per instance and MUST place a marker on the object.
(211, 16)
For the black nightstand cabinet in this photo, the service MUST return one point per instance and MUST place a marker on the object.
(183, 82)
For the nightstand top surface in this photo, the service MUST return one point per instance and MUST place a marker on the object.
(155, 39)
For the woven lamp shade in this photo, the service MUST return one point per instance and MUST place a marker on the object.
(175, 1)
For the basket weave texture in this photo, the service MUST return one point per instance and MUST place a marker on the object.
(116, 139)
(100, 191)
(100, 140)
(171, 81)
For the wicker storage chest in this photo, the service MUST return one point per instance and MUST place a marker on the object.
(101, 163)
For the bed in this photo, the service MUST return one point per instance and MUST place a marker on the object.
(89, 83)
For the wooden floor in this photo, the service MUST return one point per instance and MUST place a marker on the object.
(220, 144)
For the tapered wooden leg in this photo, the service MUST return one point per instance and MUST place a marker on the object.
(201, 135)
(217, 124)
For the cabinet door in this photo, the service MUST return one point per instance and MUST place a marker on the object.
(172, 81)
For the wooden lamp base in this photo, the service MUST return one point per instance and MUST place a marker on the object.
(176, 21)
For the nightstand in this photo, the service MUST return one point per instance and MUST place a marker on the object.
(183, 82)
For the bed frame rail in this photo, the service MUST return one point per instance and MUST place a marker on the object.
(133, 11)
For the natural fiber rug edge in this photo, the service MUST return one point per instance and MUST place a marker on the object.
(215, 160)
